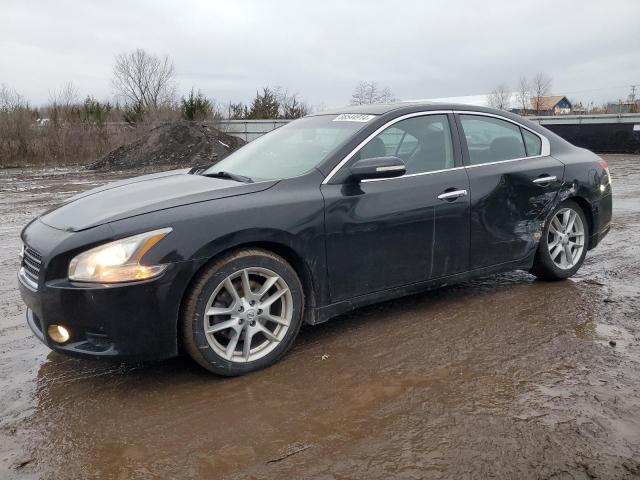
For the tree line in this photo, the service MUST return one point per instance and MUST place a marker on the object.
(146, 84)
(70, 130)
(527, 98)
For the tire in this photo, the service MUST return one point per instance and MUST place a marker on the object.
(271, 327)
(558, 268)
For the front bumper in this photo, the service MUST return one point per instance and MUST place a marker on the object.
(131, 321)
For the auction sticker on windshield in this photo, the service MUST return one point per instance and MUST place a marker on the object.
(353, 117)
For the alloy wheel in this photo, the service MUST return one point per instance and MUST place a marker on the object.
(566, 238)
(248, 314)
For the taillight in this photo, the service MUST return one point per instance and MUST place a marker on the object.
(605, 167)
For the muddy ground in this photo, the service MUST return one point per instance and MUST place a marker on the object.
(502, 377)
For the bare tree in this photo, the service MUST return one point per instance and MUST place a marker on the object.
(64, 131)
(144, 80)
(500, 97)
(290, 104)
(367, 93)
(540, 86)
(360, 94)
(61, 102)
(237, 111)
(16, 126)
(386, 96)
(293, 107)
(522, 95)
(10, 99)
(62, 110)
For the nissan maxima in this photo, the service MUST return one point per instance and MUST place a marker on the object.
(328, 213)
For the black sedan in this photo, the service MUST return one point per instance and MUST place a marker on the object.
(326, 214)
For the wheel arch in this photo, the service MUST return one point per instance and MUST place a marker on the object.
(584, 204)
(287, 252)
(294, 259)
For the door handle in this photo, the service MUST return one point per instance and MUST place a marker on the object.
(452, 195)
(547, 179)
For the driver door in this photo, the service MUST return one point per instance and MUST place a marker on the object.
(387, 233)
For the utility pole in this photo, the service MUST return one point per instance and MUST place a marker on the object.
(633, 106)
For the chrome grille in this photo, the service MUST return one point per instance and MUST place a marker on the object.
(31, 262)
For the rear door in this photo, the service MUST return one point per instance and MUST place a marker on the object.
(513, 182)
(392, 232)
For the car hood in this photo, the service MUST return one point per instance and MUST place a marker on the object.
(140, 195)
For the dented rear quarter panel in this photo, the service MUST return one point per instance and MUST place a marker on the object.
(585, 181)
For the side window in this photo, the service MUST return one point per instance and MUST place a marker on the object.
(392, 138)
(491, 140)
(424, 143)
(532, 142)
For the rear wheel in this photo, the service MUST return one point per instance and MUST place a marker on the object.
(243, 312)
(563, 245)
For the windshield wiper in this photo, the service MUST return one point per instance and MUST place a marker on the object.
(229, 175)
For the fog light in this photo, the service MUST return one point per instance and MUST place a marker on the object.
(58, 333)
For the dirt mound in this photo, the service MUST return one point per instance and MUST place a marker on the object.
(181, 144)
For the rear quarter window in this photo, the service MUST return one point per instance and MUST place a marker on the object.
(532, 142)
(491, 139)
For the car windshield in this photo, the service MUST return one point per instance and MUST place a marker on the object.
(293, 149)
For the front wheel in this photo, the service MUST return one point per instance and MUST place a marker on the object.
(563, 245)
(243, 312)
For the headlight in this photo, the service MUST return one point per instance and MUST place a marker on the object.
(118, 261)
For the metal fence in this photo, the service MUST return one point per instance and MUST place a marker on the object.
(605, 118)
(249, 130)
(600, 133)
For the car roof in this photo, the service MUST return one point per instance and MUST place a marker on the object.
(401, 107)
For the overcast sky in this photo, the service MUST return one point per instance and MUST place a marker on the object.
(321, 49)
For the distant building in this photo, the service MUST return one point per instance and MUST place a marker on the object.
(551, 105)
(626, 106)
(578, 109)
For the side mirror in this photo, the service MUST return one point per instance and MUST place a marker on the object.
(379, 167)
